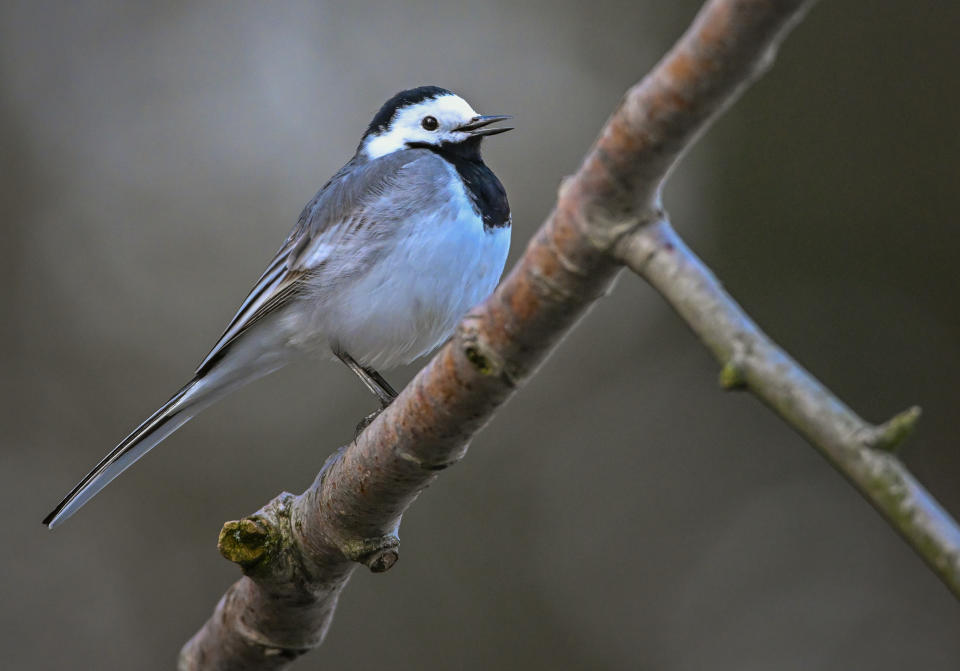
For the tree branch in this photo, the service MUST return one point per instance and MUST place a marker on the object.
(298, 551)
(750, 360)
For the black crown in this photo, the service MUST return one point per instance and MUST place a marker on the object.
(403, 99)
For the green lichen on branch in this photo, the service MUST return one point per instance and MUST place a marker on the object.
(257, 541)
(245, 542)
(479, 361)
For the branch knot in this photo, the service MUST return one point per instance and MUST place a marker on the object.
(484, 358)
(253, 542)
(378, 554)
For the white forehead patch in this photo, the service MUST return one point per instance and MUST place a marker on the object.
(449, 110)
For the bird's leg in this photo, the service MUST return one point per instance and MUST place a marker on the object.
(386, 391)
(373, 381)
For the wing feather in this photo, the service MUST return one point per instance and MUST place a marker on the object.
(336, 214)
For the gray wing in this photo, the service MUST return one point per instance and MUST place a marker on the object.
(371, 199)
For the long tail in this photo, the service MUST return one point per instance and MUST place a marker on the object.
(175, 413)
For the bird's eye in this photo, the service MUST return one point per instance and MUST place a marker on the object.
(430, 123)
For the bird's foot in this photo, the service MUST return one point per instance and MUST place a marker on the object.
(367, 421)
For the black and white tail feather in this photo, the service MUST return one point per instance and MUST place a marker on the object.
(158, 426)
(211, 383)
(218, 375)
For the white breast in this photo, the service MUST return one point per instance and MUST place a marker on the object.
(410, 301)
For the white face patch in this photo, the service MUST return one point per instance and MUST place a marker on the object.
(450, 111)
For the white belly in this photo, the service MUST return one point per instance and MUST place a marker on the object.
(410, 301)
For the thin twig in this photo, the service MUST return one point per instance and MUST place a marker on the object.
(750, 360)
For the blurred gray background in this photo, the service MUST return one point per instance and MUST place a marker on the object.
(621, 512)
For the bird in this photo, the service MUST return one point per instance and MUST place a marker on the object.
(382, 264)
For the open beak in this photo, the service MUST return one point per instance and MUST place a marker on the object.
(478, 125)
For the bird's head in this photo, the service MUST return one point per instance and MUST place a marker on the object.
(427, 116)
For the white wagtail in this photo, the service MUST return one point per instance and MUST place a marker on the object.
(381, 266)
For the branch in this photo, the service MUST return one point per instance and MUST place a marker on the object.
(750, 360)
(298, 551)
